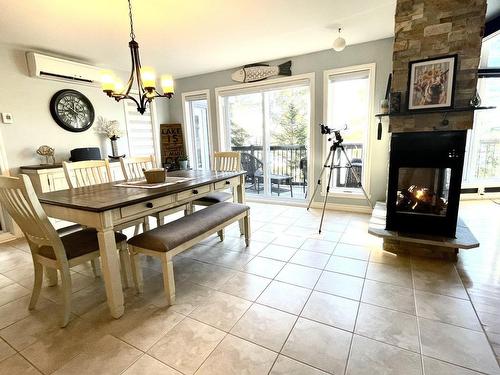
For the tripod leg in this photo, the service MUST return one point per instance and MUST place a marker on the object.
(356, 177)
(332, 152)
(318, 184)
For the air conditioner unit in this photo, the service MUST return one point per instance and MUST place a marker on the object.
(54, 68)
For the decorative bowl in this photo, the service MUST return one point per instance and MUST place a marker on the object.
(155, 175)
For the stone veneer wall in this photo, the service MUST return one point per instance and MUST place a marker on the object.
(431, 28)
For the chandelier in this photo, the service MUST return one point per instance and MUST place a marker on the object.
(145, 77)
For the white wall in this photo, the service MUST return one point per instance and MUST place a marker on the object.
(28, 100)
(379, 52)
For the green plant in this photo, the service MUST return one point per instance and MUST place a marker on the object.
(183, 157)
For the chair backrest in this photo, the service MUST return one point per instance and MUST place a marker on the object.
(132, 167)
(227, 161)
(18, 197)
(87, 173)
(251, 164)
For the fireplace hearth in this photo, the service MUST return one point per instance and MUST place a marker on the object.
(425, 174)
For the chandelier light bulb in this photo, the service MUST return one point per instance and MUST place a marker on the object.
(339, 43)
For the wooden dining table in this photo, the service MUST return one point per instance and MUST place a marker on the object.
(106, 206)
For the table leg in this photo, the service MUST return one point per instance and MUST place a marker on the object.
(240, 198)
(111, 271)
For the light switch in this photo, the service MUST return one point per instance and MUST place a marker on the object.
(7, 118)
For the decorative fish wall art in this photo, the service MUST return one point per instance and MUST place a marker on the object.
(259, 72)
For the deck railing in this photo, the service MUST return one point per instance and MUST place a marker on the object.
(285, 160)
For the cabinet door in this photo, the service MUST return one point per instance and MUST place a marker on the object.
(57, 181)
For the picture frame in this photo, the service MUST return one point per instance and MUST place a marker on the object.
(431, 83)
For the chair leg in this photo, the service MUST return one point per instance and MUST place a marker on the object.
(51, 274)
(95, 267)
(189, 209)
(137, 229)
(126, 268)
(291, 189)
(220, 233)
(136, 270)
(145, 225)
(37, 286)
(159, 221)
(246, 229)
(168, 279)
(66, 289)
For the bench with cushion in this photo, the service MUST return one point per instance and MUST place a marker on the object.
(168, 240)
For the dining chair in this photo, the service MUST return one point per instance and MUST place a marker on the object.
(48, 249)
(132, 168)
(87, 173)
(225, 161)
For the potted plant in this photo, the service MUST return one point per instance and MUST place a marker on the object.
(183, 161)
(112, 130)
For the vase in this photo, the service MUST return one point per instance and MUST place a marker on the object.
(183, 164)
(114, 147)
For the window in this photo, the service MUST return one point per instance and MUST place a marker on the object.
(197, 128)
(348, 104)
(141, 133)
(269, 124)
(483, 147)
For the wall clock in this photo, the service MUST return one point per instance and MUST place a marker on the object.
(72, 110)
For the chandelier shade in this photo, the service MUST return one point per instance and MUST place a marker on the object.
(143, 77)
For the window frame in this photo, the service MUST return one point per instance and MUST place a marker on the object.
(368, 140)
(187, 127)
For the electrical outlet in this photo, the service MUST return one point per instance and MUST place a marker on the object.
(7, 118)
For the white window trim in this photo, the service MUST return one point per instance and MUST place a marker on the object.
(187, 129)
(311, 78)
(371, 67)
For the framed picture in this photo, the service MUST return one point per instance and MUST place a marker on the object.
(431, 83)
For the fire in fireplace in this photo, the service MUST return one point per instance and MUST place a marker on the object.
(425, 174)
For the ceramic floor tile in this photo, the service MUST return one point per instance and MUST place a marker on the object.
(457, 345)
(299, 275)
(149, 365)
(340, 285)
(369, 357)
(439, 283)
(245, 285)
(235, 356)
(5, 350)
(289, 240)
(265, 326)
(188, 296)
(108, 356)
(352, 251)
(286, 297)
(16, 364)
(288, 366)
(222, 310)
(348, 266)
(447, 309)
(187, 345)
(320, 246)
(389, 326)
(264, 267)
(434, 367)
(4, 281)
(12, 292)
(389, 296)
(318, 345)
(18, 309)
(395, 275)
(381, 256)
(283, 253)
(332, 310)
(310, 259)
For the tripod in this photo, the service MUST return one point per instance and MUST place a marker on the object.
(336, 145)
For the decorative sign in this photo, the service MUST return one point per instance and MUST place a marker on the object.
(172, 143)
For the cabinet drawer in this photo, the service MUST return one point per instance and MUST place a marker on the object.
(193, 192)
(226, 183)
(144, 207)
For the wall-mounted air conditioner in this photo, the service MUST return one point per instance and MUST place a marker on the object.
(54, 68)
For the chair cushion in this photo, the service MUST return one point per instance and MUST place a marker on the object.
(79, 243)
(69, 229)
(171, 235)
(216, 197)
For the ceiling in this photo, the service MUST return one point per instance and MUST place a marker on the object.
(189, 37)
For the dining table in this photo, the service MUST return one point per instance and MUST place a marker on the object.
(106, 206)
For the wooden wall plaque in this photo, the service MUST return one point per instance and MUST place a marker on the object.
(172, 143)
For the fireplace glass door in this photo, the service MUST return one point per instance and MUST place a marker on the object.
(423, 191)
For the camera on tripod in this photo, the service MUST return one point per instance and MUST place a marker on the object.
(336, 132)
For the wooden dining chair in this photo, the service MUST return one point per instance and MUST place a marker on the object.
(226, 161)
(48, 249)
(132, 169)
(87, 173)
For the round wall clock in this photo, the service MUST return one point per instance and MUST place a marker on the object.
(72, 110)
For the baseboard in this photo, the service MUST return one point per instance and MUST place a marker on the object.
(329, 206)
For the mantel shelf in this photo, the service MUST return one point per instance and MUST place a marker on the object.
(430, 111)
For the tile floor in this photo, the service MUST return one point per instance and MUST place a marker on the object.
(294, 302)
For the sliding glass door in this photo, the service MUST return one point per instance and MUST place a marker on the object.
(269, 124)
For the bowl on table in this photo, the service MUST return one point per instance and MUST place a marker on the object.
(155, 175)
